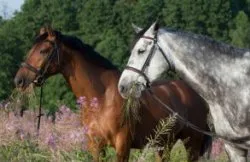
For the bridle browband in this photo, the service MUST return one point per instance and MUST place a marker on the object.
(148, 60)
(40, 72)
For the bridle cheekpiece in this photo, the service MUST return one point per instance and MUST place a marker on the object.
(148, 60)
(40, 72)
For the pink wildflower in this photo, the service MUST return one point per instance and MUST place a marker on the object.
(52, 141)
(64, 109)
(94, 103)
(85, 130)
(85, 139)
(81, 101)
(217, 148)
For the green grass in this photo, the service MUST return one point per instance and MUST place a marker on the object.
(25, 151)
(29, 151)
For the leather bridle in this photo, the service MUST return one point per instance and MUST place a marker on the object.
(40, 72)
(148, 60)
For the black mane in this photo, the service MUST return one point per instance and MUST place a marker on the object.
(86, 50)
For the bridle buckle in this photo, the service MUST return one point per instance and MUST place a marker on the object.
(39, 80)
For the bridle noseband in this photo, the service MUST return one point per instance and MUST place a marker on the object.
(148, 60)
(40, 72)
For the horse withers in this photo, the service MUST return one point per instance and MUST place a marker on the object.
(217, 71)
(95, 78)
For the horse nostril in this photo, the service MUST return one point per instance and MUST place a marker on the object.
(19, 82)
(123, 89)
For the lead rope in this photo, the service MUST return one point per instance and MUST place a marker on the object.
(194, 127)
(40, 114)
(40, 110)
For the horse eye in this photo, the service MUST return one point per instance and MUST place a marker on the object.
(43, 52)
(141, 51)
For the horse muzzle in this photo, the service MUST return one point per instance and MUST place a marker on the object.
(130, 89)
(21, 82)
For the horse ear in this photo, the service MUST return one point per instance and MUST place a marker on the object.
(137, 29)
(50, 31)
(47, 29)
(42, 31)
(154, 27)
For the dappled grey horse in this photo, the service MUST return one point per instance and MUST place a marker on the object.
(219, 72)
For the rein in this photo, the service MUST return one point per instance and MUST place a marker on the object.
(40, 77)
(183, 120)
(40, 114)
(238, 142)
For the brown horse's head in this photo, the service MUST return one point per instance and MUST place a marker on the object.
(42, 60)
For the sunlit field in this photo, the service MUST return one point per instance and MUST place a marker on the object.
(62, 138)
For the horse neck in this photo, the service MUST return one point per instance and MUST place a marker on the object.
(189, 61)
(87, 79)
(206, 65)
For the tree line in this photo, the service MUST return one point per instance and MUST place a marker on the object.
(106, 25)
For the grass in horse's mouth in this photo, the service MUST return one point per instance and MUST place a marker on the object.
(131, 109)
(19, 97)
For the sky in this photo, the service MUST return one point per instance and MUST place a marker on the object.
(7, 7)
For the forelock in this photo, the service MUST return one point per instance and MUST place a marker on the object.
(40, 38)
(137, 36)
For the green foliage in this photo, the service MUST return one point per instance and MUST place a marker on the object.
(179, 152)
(58, 95)
(240, 31)
(104, 28)
(75, 155)
(155, 142)
(204, 17)
(23, 151)
(109, 154)
(11, 54)
(29, 151)
(147, 11)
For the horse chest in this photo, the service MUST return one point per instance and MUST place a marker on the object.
(228, 99)
(224, 123)
(91, 121)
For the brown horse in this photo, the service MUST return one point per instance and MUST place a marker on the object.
(94, 77)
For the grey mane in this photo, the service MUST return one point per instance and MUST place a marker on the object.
(212, 45)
